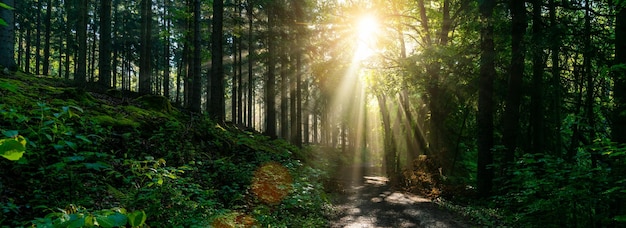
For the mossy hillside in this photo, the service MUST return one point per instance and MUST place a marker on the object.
(98, 151)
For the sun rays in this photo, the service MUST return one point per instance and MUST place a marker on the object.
(367, 32)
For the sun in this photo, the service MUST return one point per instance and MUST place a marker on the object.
(367, 29)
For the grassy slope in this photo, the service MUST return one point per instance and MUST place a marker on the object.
(91, 153)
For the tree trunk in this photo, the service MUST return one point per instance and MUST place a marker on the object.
(196, 84)
(27, 50)
(284, 106)
(234, 95)
(68, 38)
(7, 37)
(389, 145)
(38, 39)
(270, 93)
(47, 36)
(619, 92)
(217, 108)
(104, 63)
(485, 173)
(556, 81)
(92, 57)
(145, 62)
(250, 62)
(514, 94)
(537, 110)
(298, 94)
(81, 63)
(166, 50)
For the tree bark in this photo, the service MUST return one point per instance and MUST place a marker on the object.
(537, 109)
(217, 108)
(251, 51)
(81, 63)
(27, 48)
(7, 37)
(47, 36)
(555, 81)
(196, 84)
(284, 106)
(104, 63)
(270, 93)
(166, 50)
(485, 173)
(145, 62)
(619, 91)
(38, 38)
(514, 94)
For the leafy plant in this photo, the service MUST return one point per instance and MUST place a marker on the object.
(73, 216)
(13, 148)
(4, 6)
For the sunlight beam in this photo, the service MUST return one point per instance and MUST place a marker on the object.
(367, 31)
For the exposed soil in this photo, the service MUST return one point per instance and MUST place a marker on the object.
(372, 203)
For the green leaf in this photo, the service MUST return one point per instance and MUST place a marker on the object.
(97, 166)
(13, 148)
(89, 221)
(5, 85)
(137, 218)
(3, 23)
(113, 220)
(10, 134)
(84, 138)
(71, 145)
(620, 218)
(4, 5)
(76, 222)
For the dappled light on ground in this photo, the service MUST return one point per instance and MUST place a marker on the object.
(374, 204)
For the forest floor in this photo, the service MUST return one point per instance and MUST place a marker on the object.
(372, 203)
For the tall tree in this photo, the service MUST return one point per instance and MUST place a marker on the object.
(104, 63)
(514, 91)
(555, 46)
(7, 36)
(217, 109)
(296, 123)
(485, 100)
(619, 91)
(47, 36)
(145, 58)
(537, 109)
(250, 94)
(38, 37)
(196, 86)
(166, 48)
(81, 63)
(270, 91)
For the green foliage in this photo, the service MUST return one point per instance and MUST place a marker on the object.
(4, 6)
(543, 187)
(13, 148)
(174, 170)
(73, 216)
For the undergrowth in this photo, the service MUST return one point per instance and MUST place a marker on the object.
(92, 161)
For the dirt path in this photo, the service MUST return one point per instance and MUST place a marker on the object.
(372, 204)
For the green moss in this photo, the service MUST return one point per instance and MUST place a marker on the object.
(115, 122)
(155, 103)
(76, 94)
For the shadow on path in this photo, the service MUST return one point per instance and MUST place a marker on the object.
(371, 203)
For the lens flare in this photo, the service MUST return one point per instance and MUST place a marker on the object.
(271, 183)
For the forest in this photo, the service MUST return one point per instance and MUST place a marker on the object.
(255, 113)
